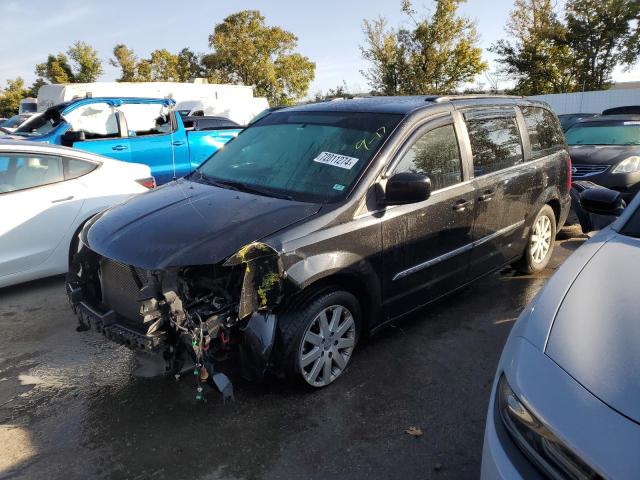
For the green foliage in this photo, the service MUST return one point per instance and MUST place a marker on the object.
(35, 87)
(189, 66)
(11, 96)
(87, 64)
(598, 31)
(437, 56)
(126, 61)
(548, 55)
(443, 49)
(56, 69)
(80, 64)
(386, 50)
(246, 51)
(162, 66)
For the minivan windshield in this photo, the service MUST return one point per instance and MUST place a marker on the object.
(605, 133)
(305, 156)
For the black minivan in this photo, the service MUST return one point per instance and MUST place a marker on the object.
(320, 223)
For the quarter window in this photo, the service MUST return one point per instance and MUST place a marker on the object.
(435, 154)
(495, 143)
(77, 168)
(545, 134)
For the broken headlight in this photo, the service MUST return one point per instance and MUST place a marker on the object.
(537, 442)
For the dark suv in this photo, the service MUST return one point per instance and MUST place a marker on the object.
(317, 225)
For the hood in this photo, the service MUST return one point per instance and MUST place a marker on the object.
(188, 223)
(596, 333)
(602, 154)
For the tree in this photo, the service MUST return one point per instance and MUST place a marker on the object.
(11, 96)
(80, 64)
(163, 66)
(246, 51)
(597, 31)
(143, 71)
(189, 66)
(444, 52)
(126, 61)
(56, 69)
(386, 50)
(35, 87)
(538, 55)
(631, 52)
(87, 64)
(437, 56)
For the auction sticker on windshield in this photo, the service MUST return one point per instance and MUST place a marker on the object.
(336, 160)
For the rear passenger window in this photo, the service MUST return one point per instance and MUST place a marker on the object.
(545, 134)
(435, 154)
(26, 170)
(495, 143)
(77, 168)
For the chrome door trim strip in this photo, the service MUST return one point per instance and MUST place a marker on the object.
(457, 251)
(432, 262)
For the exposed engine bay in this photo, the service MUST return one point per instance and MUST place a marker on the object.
(191, 318)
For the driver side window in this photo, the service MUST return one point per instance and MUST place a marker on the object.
(437, 155)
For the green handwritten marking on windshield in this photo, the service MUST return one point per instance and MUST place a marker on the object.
(364, 143)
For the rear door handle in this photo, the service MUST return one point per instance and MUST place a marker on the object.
(177, 143)
(487, 195)
(119, 148)
(70, 197)
(461, 205)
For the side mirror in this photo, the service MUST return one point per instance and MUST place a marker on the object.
(72, 136)
(602, 201)
(407, 187)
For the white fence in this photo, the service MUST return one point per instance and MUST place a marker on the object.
(590, 102)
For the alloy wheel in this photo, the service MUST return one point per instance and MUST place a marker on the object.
(327, 345)
(540, 242)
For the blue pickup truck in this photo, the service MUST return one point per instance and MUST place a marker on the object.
(139, 130)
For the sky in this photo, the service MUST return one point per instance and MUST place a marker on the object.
(329, 31)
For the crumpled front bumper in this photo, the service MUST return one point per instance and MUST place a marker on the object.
(107, 323)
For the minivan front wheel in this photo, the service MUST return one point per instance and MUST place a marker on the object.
(540, 242)
(318, 337)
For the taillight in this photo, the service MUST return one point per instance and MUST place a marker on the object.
(570, 176)
(148, 182)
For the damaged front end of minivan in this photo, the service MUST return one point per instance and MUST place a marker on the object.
(189, 318)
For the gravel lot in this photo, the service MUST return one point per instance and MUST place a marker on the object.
(70, 408)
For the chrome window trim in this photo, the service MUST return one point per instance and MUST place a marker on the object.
(457, 251)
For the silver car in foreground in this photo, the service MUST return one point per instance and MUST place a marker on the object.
(566, 398)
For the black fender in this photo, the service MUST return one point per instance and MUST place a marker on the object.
(343, 268)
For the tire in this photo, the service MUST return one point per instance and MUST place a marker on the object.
(316, 354)
(539, 247)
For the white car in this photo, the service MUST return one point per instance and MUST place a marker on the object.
(47, 193)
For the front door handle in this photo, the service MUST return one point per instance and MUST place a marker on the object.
(461, 205)
(487, 195)
(65, 199)
(178, 143)
(119, 148)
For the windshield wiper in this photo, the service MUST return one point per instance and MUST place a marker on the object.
(239, 186)
(255, 189)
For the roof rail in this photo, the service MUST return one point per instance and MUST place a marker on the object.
(449, 98)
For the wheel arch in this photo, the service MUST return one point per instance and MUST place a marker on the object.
(355, 275)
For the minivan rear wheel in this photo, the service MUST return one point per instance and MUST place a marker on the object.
(317, 338)
(540, 242)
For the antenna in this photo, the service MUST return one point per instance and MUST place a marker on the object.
(173, 153)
